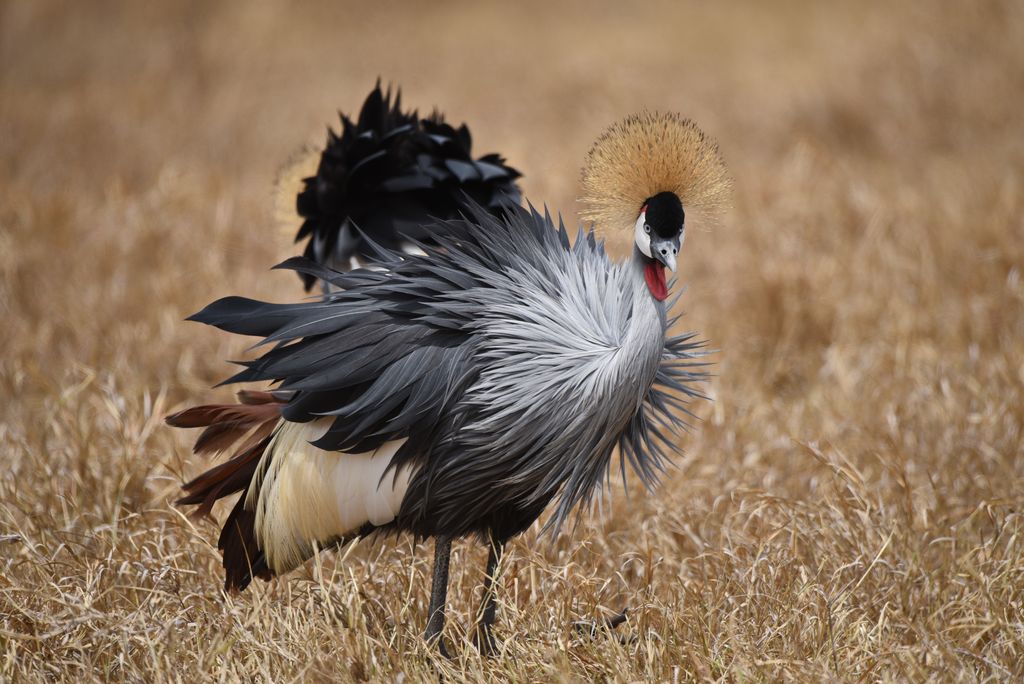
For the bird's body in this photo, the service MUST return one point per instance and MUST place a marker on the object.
(464, 387)
(458, 392)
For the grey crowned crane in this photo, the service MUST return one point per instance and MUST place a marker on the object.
(383, 177)
(462, 391)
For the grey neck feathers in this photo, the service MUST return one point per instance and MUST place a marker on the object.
(594, 351)
(648, 326)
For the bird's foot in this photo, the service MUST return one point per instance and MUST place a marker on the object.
(485, 642)
(442, 648)
(590, 629)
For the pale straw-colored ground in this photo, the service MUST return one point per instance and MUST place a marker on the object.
(850, 507)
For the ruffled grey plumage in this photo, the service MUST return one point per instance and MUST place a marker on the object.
(514, 361)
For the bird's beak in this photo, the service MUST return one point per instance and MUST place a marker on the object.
(665, 251)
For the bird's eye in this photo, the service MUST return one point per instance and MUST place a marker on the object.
(647, 228)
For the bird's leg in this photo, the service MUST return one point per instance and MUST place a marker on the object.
(439, 593)
(483, 637)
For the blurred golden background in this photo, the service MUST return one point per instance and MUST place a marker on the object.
(850, 505)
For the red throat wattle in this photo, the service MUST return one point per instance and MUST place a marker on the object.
(654, 274)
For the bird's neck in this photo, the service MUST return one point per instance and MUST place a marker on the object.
(645, 336)
(638, 262)
(641, 292)
(645, 306)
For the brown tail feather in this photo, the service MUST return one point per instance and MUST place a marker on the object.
(234, 475)
(225, 424)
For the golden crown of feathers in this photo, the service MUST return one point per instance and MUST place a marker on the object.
(645, 154)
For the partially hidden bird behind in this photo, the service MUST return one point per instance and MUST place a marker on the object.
(382, 178)
(462, 390)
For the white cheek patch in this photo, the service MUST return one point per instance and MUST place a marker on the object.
(641, 236)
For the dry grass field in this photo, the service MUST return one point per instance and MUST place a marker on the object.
(850, 506)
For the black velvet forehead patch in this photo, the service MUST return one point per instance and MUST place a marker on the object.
(665, 214)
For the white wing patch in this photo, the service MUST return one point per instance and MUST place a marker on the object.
(308, 497)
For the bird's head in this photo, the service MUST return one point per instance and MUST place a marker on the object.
(641, 173)
(659, 232)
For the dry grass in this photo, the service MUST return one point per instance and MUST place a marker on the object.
(851, 506)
